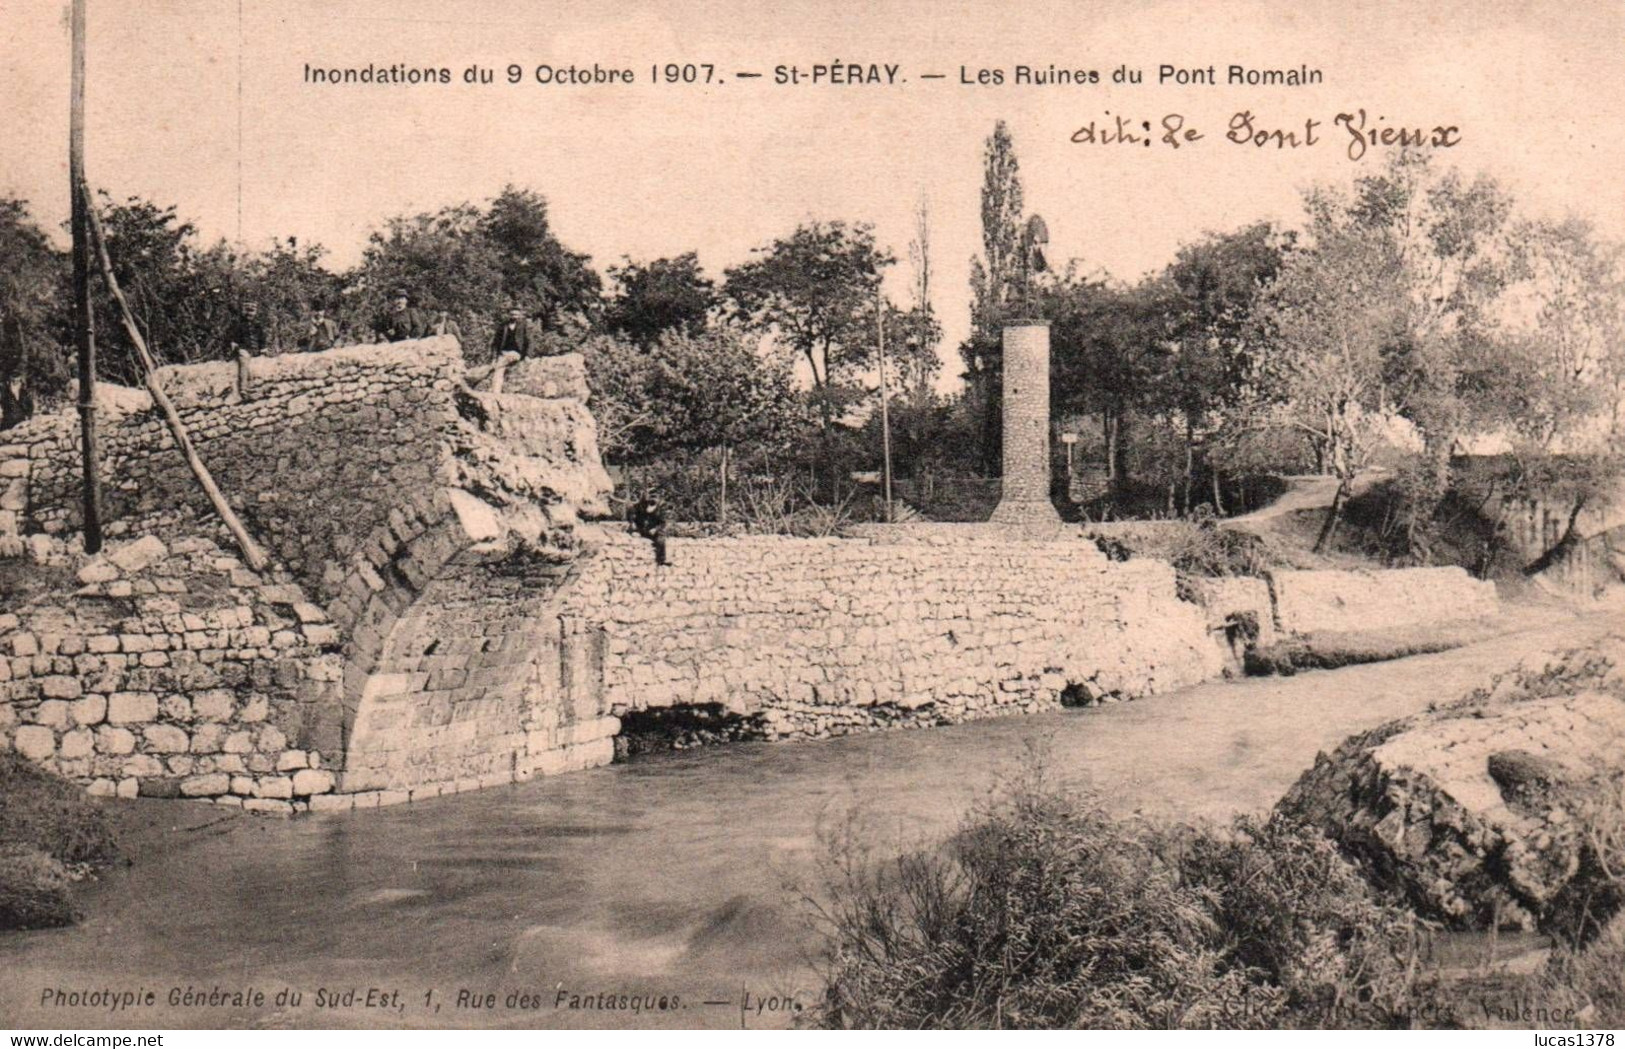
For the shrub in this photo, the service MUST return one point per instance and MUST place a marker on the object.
(50, 833)
(50, 814)
(34, 889)
(1046, 912)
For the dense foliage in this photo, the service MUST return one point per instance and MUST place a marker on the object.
(1044, 911)
(1411, 316)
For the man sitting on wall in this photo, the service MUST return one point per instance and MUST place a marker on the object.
(322, 333)
(403, 321)
(512, 334)
(247, 341)
(647, 519)
(443, 324)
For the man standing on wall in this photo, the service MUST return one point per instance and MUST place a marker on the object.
(16, 399)
(512, 334)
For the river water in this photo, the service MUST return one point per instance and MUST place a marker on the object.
(674, 875)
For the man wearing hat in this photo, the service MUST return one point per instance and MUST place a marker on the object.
(403, 321)
(512, 334)
(322, 333)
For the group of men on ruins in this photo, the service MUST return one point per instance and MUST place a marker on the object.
(402, 321)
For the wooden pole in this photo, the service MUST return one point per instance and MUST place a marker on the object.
(250, 549)
(84, 324)
(885, 411)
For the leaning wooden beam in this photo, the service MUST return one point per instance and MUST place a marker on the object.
(250, 549)
(83, 321)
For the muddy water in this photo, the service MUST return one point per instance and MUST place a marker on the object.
(671, 876)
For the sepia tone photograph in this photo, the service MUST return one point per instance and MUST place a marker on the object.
(604, 514)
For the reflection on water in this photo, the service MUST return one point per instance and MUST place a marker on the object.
(672, 875)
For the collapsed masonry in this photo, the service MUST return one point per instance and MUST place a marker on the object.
(437, 617)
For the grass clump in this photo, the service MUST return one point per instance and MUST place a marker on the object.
(50, 836)
(1586, 985)
(1195, 546)
(1046, 912)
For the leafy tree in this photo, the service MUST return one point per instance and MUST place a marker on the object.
(537, 272)
(815, 292)
(1109, 344)
(442, 260)
(660, 296)
(1561, 383)
(1330, 316)
(1555, 388)
(1216, 283)
(472, 263)
(689, 396)
(33, 279)
(1447, 238)
(287, 283)
(187, 300)
(912, 336)
(177, 296)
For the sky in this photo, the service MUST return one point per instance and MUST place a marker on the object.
(203, 104)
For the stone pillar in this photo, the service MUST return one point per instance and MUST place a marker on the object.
(1025, 498)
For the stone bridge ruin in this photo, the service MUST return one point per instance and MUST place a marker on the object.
(442, 614)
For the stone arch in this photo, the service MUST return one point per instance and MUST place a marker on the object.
(462, 668)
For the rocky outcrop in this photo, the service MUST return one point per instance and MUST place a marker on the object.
(1502, 807)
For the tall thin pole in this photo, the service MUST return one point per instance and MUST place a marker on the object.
(84, 324)
(885, 411)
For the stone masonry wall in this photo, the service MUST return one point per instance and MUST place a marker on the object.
(178, 675)
(428, 623)
(313, 459)
(817, 637)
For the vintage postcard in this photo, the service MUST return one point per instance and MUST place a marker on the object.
(716, 515)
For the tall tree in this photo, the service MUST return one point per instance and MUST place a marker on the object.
(539, 273)
(1330, 316)
(994, 276)
(1444, 239)
(815, 292)
(1215, 283)
(1109, 344)
(918, 331)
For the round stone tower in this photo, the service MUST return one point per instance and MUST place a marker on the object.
(1025, 498)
